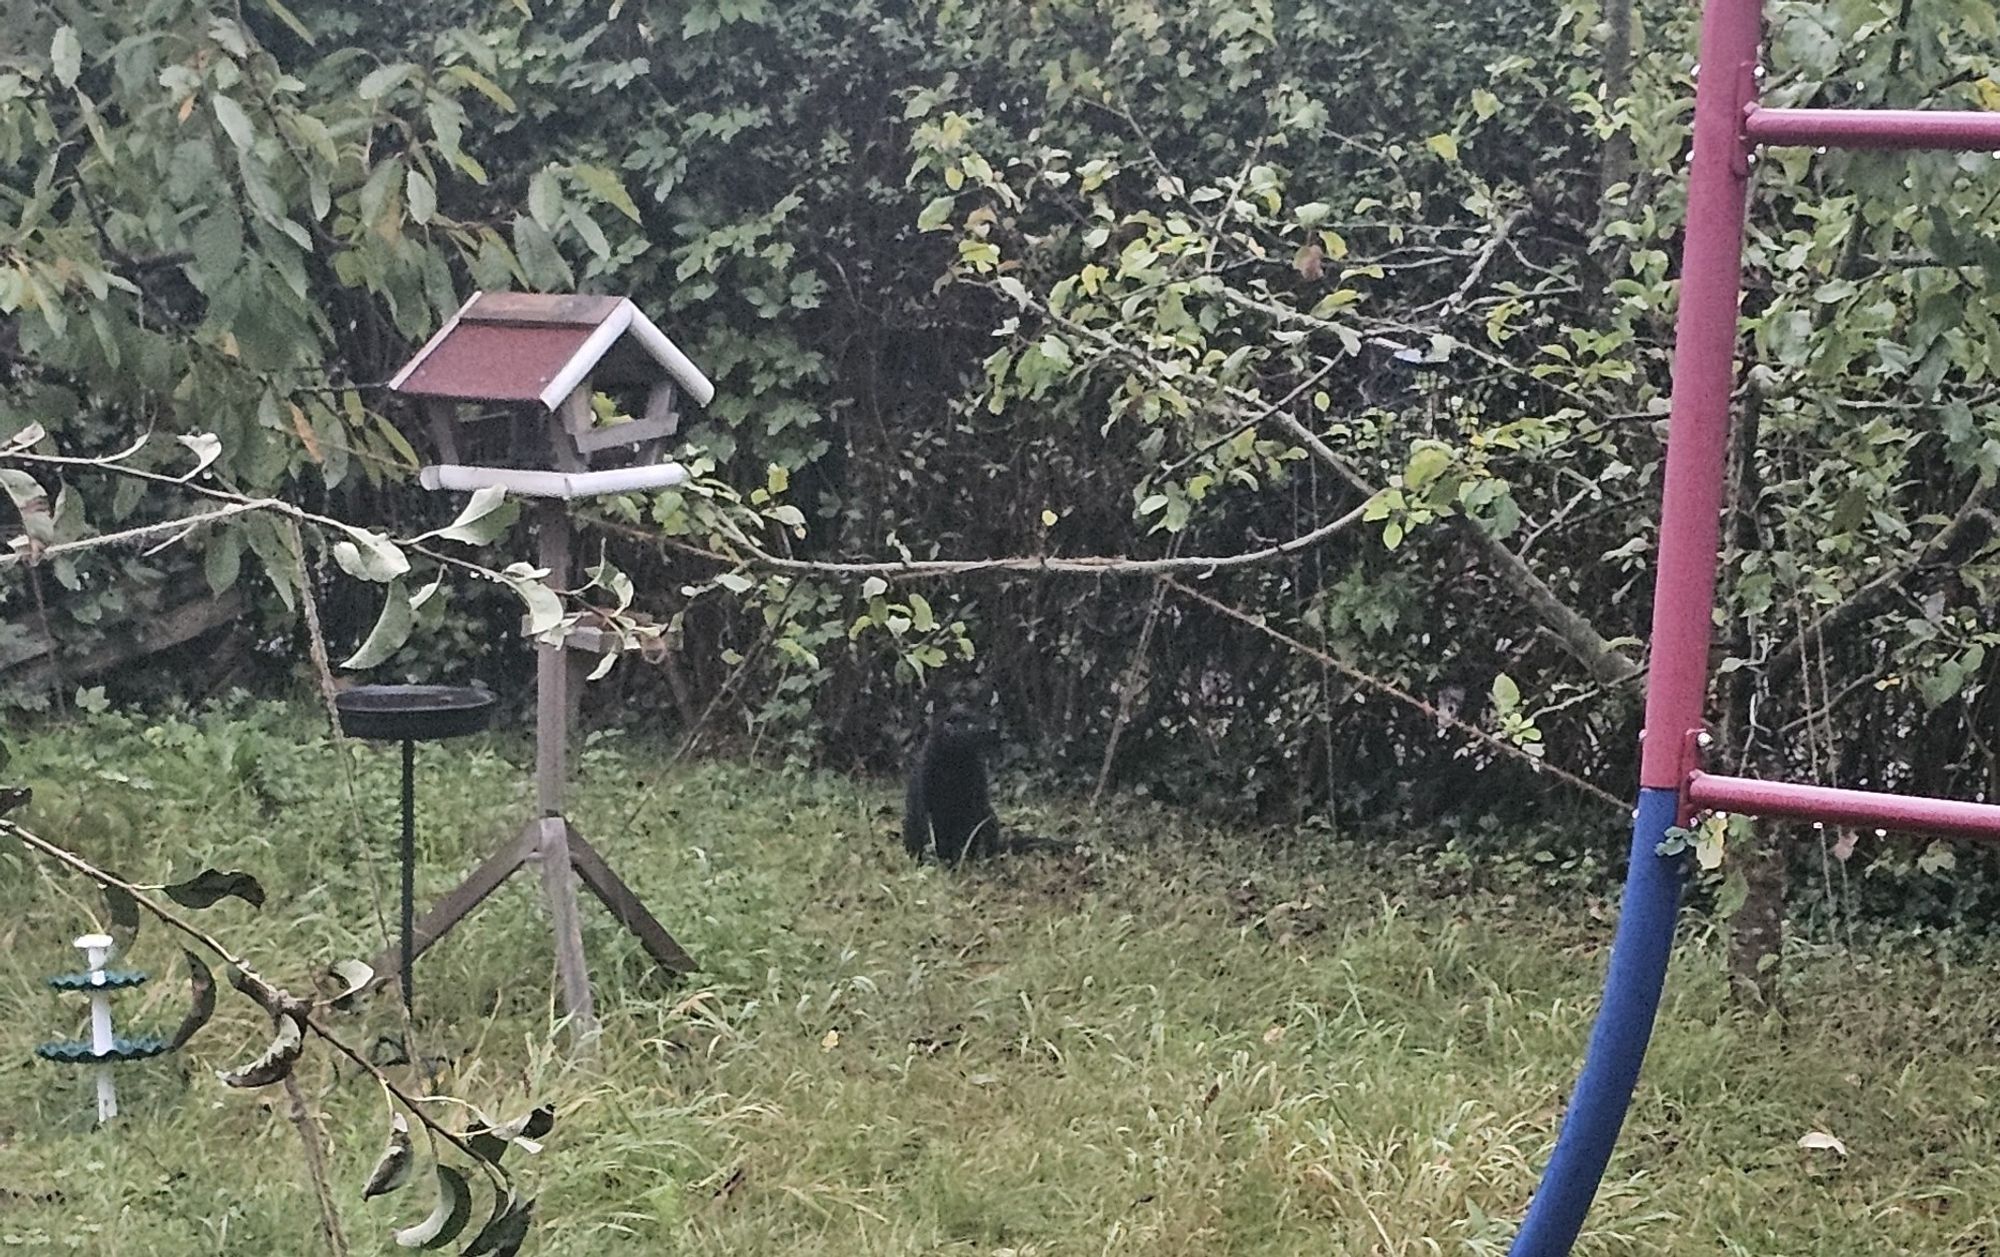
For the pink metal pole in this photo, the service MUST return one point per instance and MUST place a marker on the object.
(1704, 374)
(1873, 128)
(1862, 808)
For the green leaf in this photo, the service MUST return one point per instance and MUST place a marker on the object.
(397, 441)
(1734, 894)
(504, 1231)
(1312, 213)
(201, 1001)
(480, 83)
(545, 199)
(1484, 103)
(936, 214)
(27, 438)
(217, 243)
(234, 121)
(222, 560)
(1444, 146)
(447, 1219)
(210, 886)
(490, 1140)
(1711, 841)
(607, 187)
(489, 514)
(544, 608)
(392, 1168)
(206, 447)
(66, 56)
(370, 556)
(543, 262)
(124, 909)
(586, 226)
(33, 504)
(421, 195)
(1427, 463)
(275, 1065)
(272, 545)
(354, 977)
(1506, 694)
(1937, 858)
(383, 80)
(374, 196)
(392, 629)
(290, 19)
(447, 119)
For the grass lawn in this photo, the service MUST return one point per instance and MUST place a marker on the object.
(1170, 1047)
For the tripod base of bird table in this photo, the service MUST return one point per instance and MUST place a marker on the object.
(565, 857)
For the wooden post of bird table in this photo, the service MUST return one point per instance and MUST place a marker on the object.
(553, 676)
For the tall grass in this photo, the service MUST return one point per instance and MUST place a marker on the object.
(1172, 1045)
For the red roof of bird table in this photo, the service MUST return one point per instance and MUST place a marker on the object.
(535, 347)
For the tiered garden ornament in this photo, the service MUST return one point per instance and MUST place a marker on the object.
(508, 385)
(104, 1048)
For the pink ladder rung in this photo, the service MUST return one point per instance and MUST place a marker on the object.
(1860, 808)
(1873, 128)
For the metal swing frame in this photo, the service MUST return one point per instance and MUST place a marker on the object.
(1730, 126)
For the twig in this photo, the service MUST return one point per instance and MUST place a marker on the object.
(1128, 690)
(309, 1138)
(1480, 263)
(906, 569)
(1972, 525)
(182, 525)
(315, 635)
(1402, 696)
(323, 674)
(1325, 369)
(242, 504)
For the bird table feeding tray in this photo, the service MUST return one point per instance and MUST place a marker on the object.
(412, 713)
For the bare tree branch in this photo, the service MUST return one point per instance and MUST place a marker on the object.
(1359, 677)
(894, 569)
(1970, 528)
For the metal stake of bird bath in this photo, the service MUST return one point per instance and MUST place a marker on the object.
(541, 359)
(104, 1048)
(410, 714)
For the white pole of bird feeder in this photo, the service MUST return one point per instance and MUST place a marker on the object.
(96, 949)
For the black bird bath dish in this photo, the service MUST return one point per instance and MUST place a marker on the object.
(411, 714)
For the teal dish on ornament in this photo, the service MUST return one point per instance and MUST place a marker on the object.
(78, 1052)
(105, 980)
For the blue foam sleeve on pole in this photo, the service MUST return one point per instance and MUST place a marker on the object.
(1632, 986)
